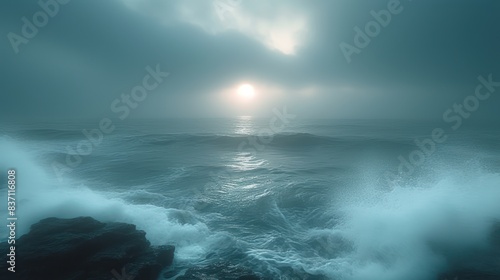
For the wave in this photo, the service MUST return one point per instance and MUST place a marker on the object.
(414, 232)
(277, 140)
(48, 134)
(40, 196)
(437, 225)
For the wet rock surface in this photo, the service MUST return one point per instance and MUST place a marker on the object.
(84, 248)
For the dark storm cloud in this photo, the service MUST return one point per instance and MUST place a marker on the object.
(428, 57)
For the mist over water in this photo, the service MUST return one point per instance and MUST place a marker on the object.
(313, 200)
(295, 140)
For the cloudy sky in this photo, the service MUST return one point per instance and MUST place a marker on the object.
(88, 53)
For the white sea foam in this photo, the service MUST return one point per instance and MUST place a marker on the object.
(40, 195)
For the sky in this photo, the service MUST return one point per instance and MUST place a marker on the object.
(85, 55)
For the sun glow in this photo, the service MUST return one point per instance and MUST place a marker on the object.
(246, 91)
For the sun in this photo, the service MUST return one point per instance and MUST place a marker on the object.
(246, 91)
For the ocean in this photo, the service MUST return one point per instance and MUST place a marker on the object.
(345, 199)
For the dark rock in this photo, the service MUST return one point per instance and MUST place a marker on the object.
(83, 248)
(482, 265)
(219, 271)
